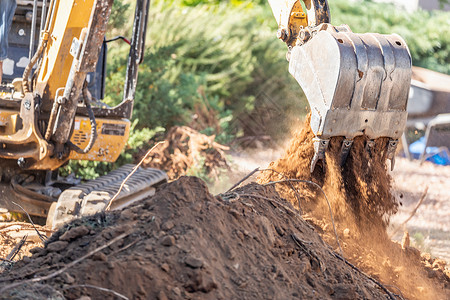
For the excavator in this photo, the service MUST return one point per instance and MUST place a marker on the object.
(51, 109)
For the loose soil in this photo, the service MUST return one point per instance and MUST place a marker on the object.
(188, 151)
(184, 243)
(361, 187)
(12, 232)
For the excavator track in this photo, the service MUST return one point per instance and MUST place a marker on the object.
(93, 196)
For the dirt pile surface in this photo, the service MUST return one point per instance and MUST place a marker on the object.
(359, 194)
(184, 243)
(250, 243)
(11, 234)
(188, 151)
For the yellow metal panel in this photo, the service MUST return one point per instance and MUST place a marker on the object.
(8, 121)
(112, 136)
(291, 18)
(297, 19)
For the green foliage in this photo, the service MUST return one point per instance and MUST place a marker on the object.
(426, 33)
(86, 169)
(443, 2)
(420, 241)
(159, 100)
(228, 52)
(139, 139)
(119, 14)
(199, 171)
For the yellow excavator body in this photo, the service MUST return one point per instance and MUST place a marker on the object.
(49, 115)
(112, 138)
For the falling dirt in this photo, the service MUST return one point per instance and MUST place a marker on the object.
(362, 186)
(188, 151)
(361, 201)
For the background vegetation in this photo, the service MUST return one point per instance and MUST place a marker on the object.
(218, 67)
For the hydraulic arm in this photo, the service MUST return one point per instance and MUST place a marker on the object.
(54, 120)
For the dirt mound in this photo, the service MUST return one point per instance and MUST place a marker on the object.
(184, 243)
(250, 243)
(188, 151)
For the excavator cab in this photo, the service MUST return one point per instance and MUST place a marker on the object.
(57, 67)
(23, 40)
(356, 84)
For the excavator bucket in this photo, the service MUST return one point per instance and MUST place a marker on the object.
(356, 84)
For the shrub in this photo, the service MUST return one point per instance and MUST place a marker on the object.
(426, 33)
(228, 52)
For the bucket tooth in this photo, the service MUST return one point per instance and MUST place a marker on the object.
(392, 146)
(345, 150)
(320, 146)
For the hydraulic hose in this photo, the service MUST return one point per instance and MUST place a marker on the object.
(93, 138)
(37, 55)
(52, 118)
(27, 72)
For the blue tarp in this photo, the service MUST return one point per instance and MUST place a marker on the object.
(434, 154)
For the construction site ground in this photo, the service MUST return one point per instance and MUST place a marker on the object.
(430, 226)
(262, 240)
